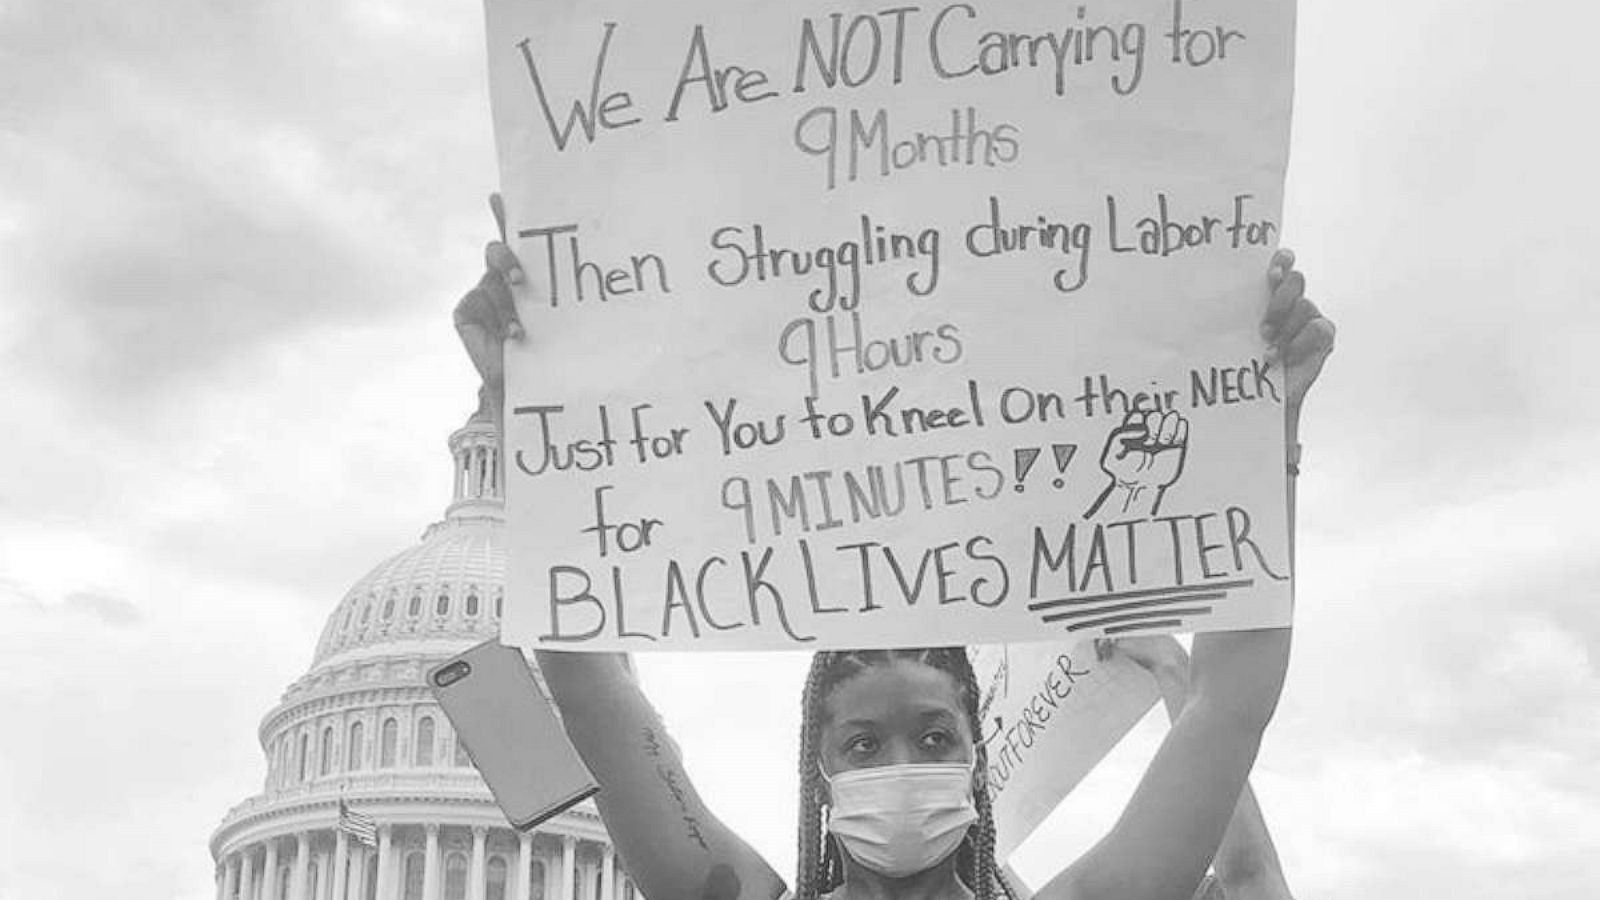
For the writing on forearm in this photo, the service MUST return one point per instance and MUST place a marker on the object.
(669, 776)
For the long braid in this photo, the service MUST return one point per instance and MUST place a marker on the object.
(980, 872)
(821, 868)
(981, 838)
(810, 790)
(969, 867)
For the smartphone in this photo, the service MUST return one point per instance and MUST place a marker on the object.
(511, 733)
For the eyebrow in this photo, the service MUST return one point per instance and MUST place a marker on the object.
(857, 723)
(927, 715)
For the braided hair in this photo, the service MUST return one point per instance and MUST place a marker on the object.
(821, 865)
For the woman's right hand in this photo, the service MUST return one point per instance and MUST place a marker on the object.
(1159, 655)
(486, 317)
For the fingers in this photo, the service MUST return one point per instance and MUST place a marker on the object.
(1148, 433)
(1289, 291)
(481, 320)
(1104, 648)
(1282, 262)
(497, 255)
(504, 266)
(1135, 428)
(486, 315)
(1124, 439)
(1305, 357)
(495, 285)
(1151, 430)
(1299, 315)
(1127, 438)
(499, 259)
(1312, 344)
(497, 206)
(1149, 652)
(1152, 425)
(1167, 431)
(498, 310)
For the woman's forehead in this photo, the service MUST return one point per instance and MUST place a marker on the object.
(901, 687)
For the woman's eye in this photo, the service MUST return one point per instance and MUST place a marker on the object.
(861, 745)
(937, 740)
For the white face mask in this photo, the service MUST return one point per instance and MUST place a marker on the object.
(900, 820)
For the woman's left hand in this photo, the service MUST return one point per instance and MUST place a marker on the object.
(1299, 338)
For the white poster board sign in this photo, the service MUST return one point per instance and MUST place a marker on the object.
(1050, 712)
(869, 325)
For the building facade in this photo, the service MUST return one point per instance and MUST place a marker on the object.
(361, 726)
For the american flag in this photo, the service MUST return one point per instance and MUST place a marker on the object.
(360, 826)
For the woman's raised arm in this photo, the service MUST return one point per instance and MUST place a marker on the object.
(673, 846)
(1166, 837)
(670, 843)
(1246, 862)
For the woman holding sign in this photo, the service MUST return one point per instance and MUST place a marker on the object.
(893, 802)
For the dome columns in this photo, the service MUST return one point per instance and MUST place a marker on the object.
(524, 866)
(569, 868)
(302, 867)
(430, 863)
(410, 863)
(247, 875)
(269, 872)
(341, 856)
(386, 861)
(475, 880)
(356, 882)
(608, 873)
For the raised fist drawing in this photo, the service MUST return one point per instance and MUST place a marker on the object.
(1143, 457)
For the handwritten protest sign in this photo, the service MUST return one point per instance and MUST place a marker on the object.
(891, 325)
(1050, 712)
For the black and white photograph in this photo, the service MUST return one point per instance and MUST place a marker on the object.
(798, 450)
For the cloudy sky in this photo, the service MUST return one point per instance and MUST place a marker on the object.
(230, 238)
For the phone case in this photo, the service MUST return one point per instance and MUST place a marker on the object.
(511, 733)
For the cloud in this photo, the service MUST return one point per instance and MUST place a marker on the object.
(135, 738)
(1432, 200)
(236, 235)
(181, 193)
(109, 610)
(1458, 640)
(1395, 824)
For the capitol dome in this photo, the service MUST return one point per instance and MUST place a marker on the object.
(361, 727)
